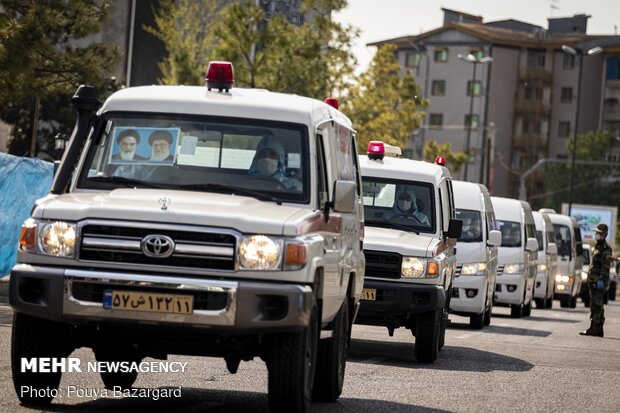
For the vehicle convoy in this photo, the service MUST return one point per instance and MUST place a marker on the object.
(570, 258)
(476, 254)
(547, 261)
(516, 263)
(236, 233)
(409, 244)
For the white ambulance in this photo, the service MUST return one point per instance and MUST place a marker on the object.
(409, 245)
(547, 261)
(210, 221)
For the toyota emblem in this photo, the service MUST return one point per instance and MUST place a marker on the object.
(164, 202)
(157, 246)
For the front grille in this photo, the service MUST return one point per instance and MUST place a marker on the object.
(122, 244)
(458, 270)
(203, 300)
(500, 269)
(383, 264)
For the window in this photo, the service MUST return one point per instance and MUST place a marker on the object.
(511, 233)
(474, 87)
(412, 59)
(564, 129)
(525, 126)
(474, 121)
(540, 60)
(563, 239)
(528, 93)
(435, 120)
(472, 225)
(536, 126)
(568, 61)
(439, 88)
(441, 55)
(477, 53)
(566, 95)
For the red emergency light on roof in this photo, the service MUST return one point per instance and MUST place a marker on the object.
(376, 150)
(440, 160)
(220, 75)
(333, 102)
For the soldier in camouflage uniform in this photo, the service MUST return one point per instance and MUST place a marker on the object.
(598, 281)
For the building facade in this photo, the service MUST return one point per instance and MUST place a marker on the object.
(518, 90)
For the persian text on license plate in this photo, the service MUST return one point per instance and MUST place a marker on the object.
(148, 302)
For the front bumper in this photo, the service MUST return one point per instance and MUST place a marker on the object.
(460, 302)
(509, 289)
(541, 286)
(398, 299)
(74, 296)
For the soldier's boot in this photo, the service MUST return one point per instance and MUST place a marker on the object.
(599, 330)
(591, 331)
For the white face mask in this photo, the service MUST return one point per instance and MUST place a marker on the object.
(266, 167)
(404, 205)
(597, 236)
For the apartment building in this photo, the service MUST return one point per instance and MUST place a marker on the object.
(517, 88)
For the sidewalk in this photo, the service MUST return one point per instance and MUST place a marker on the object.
(4, 289)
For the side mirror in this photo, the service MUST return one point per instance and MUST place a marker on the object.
(495, 238)
(344, 196)
(455, 228)
(552, 249)
(531, 245)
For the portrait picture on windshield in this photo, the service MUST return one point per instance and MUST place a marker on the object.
(144, 145)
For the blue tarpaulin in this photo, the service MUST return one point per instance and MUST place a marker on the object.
(22, 181)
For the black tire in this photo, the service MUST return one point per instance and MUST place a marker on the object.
(331, 359)
(120, 379)
(586, 300)
(573, 302)
(34, 337)
(527, 309)
(291, 363)
(540, 302)
(476, 322)
(565, 301)
(487, 315)
(516, 310)
(613, 286)
(549, 304)
(427, 336)
(442, 329)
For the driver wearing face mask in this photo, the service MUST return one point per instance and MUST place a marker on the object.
(406, 205)
(269, 162)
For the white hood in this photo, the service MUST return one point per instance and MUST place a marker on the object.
(470, 252)
(401, 242)
(510, 255)
(247, 215)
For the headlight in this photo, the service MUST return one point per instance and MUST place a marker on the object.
(474, 269)
(559, 278)
(513, 268)
(413, 267)
(258, 252)
(542, 267)
(58, 238)
(584, 276)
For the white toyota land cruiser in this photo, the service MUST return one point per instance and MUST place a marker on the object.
(409, 247)
(198, 221)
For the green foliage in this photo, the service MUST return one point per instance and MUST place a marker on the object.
(454, 160)
(593, 184)
(383, 105)
(186, 29)
(40, 56)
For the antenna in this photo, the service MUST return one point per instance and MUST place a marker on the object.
(552, 6)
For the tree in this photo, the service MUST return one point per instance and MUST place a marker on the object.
(593, 184)
(186, 29)
(454, 160)
(383, 105)
(41, 60)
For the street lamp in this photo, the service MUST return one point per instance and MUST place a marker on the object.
(471, 58)
(579, 54)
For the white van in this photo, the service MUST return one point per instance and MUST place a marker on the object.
(570, 258)
(516, 263)
(547, 261)
(233, 228)
(476, 254)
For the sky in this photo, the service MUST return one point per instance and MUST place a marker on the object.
(385, 19)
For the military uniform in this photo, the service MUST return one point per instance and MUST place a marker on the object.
(598, 282)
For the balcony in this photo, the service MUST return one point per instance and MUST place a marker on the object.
(611, 110)
(529, 142)
(536, 73)
(534, 107)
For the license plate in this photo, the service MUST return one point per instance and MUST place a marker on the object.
(148, 302)
(369, 294)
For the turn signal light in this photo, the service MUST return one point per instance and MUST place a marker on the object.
(433, 269)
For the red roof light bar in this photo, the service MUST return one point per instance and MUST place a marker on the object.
(220, 75)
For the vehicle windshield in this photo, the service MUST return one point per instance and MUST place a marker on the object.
(562, 239)
(404, 205)
(261, 159)
(472, 225)
(511, 233)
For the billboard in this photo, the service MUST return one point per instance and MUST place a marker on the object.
(589, 216)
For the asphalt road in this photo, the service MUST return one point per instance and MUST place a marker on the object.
(538, 363)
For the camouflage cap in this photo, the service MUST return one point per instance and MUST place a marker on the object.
(601, 228)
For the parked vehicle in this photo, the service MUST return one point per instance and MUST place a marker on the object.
(570, 258)
(547, 261)
(613, 282)
(517, 256)
(239, 237)
(584, 291)
(409, 244)
(476, 254)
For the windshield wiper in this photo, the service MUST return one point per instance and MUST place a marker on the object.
(385, 224)
(233, 190)
(128, 182)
